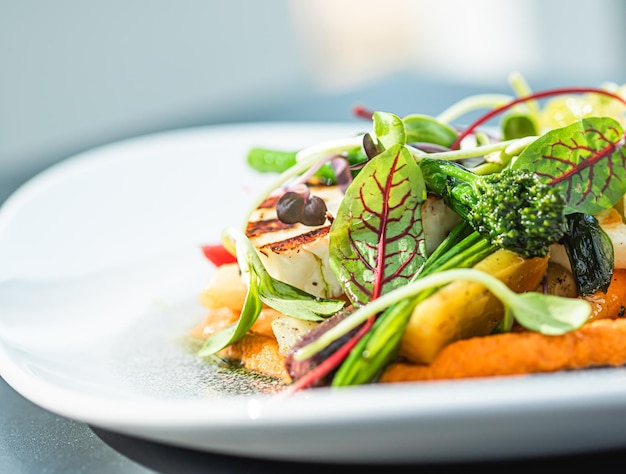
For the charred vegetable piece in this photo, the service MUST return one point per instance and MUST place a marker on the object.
(590, 253)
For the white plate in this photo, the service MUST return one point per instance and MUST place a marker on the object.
(101, 267)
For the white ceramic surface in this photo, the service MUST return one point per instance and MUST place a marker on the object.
(100, 269)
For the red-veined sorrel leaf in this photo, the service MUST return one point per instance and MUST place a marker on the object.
(377, 239)
(586, 160)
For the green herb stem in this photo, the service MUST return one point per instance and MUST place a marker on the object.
(457, 155)
(505, 157)
(522, 89)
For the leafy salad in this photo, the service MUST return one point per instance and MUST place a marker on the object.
(421, 204)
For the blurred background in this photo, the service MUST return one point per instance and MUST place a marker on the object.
(75, 75)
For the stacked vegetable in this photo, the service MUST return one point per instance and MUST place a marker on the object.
(517, 196)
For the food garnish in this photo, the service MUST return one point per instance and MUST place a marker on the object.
(374, 255)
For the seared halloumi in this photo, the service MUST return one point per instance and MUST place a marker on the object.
(298, 254)
(295, 253)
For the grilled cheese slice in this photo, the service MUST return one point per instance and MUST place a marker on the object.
(295, 253)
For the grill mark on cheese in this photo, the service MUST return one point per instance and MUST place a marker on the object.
(257, 228)
(296, 242)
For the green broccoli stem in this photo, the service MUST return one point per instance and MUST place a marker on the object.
(453, 182)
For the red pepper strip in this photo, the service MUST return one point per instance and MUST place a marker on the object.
(538, 95)
(362, 112)
(217, 254)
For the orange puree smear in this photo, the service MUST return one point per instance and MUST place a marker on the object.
(599, 343)
(613, 303)
(258, 350)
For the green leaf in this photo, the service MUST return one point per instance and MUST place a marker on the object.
(267, 160)
(389, 129)
(548, 314)
(377, 239)
(585, 160)
(423, 128)
(294, 302)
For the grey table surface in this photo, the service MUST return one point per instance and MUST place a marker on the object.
(33, 440)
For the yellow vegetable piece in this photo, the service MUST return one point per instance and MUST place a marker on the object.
(466, 309)
(225, 289)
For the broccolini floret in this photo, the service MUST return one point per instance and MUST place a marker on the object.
(513, 209)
